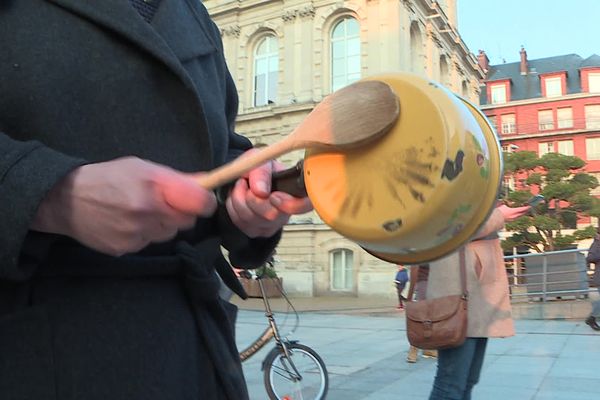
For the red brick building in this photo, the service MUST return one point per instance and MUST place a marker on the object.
(546, 105)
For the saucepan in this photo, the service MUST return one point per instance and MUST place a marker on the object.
(419, 192)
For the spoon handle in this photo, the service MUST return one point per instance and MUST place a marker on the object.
(238, 167)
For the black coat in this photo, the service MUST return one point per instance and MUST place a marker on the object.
(86, 81)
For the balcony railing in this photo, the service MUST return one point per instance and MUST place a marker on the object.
(548, 126)
(550, 275)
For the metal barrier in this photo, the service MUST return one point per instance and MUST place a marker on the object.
(555, 274)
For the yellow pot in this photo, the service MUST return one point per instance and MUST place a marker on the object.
(422, 190)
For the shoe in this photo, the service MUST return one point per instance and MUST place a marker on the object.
(430, 353)
(411, 357)
(400, 308)
(591, 321)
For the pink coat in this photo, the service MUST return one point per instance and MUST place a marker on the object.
(489, 310)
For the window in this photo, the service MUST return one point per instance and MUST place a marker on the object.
(345, 53)
(594, 82)
(444, 72)
(266, 69)
(545, 148)
(592, 148)
(508, 124)
(595, 191)
(341, 270)
(592, 116)
(553, 87)
(566, 147)
(465, 89)
(565, 117)
(509, 182)
(545, 120)
(498, 94)
(509, 148)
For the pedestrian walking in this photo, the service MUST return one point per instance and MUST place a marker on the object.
(400, 281)
(109, 248)
(489, 310)
(593, 257)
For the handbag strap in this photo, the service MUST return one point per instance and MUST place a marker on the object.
(463, 276)
(411, 285)
(463, 273)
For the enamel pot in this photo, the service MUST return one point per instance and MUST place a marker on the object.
(423, 189)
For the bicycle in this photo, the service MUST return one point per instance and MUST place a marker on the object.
(291, 371)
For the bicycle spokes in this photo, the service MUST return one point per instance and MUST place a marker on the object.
(296, 392)
(296, 374)
(297, 395)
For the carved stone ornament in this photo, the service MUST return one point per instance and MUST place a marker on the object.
(434, 38)
(231, 30)
(308, 11)
(409, 5)
(289, 15)
(304, 12)
(459, 68)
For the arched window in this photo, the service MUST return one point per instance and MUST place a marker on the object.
(465, 90)
(342, 269)
(345, 53)
(266, 69)
(416, 49)
(444, 72)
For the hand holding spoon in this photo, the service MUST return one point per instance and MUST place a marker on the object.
(347, 118)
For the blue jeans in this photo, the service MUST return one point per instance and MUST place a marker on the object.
(458, 370)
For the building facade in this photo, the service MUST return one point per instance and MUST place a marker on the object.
(546, 105)
(286, 56)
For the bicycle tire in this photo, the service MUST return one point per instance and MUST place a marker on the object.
(279, 383)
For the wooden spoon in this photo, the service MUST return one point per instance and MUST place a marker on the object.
(349, 117)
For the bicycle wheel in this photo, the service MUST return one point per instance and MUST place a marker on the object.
(283, 383)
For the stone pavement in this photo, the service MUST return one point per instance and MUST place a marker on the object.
(363, 343)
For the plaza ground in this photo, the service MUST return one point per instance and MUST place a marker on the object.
(363, 343)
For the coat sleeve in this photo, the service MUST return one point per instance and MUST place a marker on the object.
(28, 170)
(494, 223)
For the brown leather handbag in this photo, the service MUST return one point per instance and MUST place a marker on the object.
(438, 323)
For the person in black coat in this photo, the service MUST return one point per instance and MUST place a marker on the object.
(593, 257)
(108, 247)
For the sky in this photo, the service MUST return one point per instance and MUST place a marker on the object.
(546, 28)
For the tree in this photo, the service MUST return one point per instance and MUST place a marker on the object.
(566, 190)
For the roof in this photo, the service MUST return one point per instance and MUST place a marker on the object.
(528, 86)
(591, 61)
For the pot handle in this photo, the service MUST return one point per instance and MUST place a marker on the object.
(290, 180)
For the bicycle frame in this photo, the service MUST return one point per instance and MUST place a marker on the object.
(280, 344)
(283, 355)
(272, 331)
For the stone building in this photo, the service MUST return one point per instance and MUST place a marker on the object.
(287, 55)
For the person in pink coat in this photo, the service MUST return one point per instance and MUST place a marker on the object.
(489, 310)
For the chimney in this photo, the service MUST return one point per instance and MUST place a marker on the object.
(524, 66)
(483, 61)
(450, 11)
